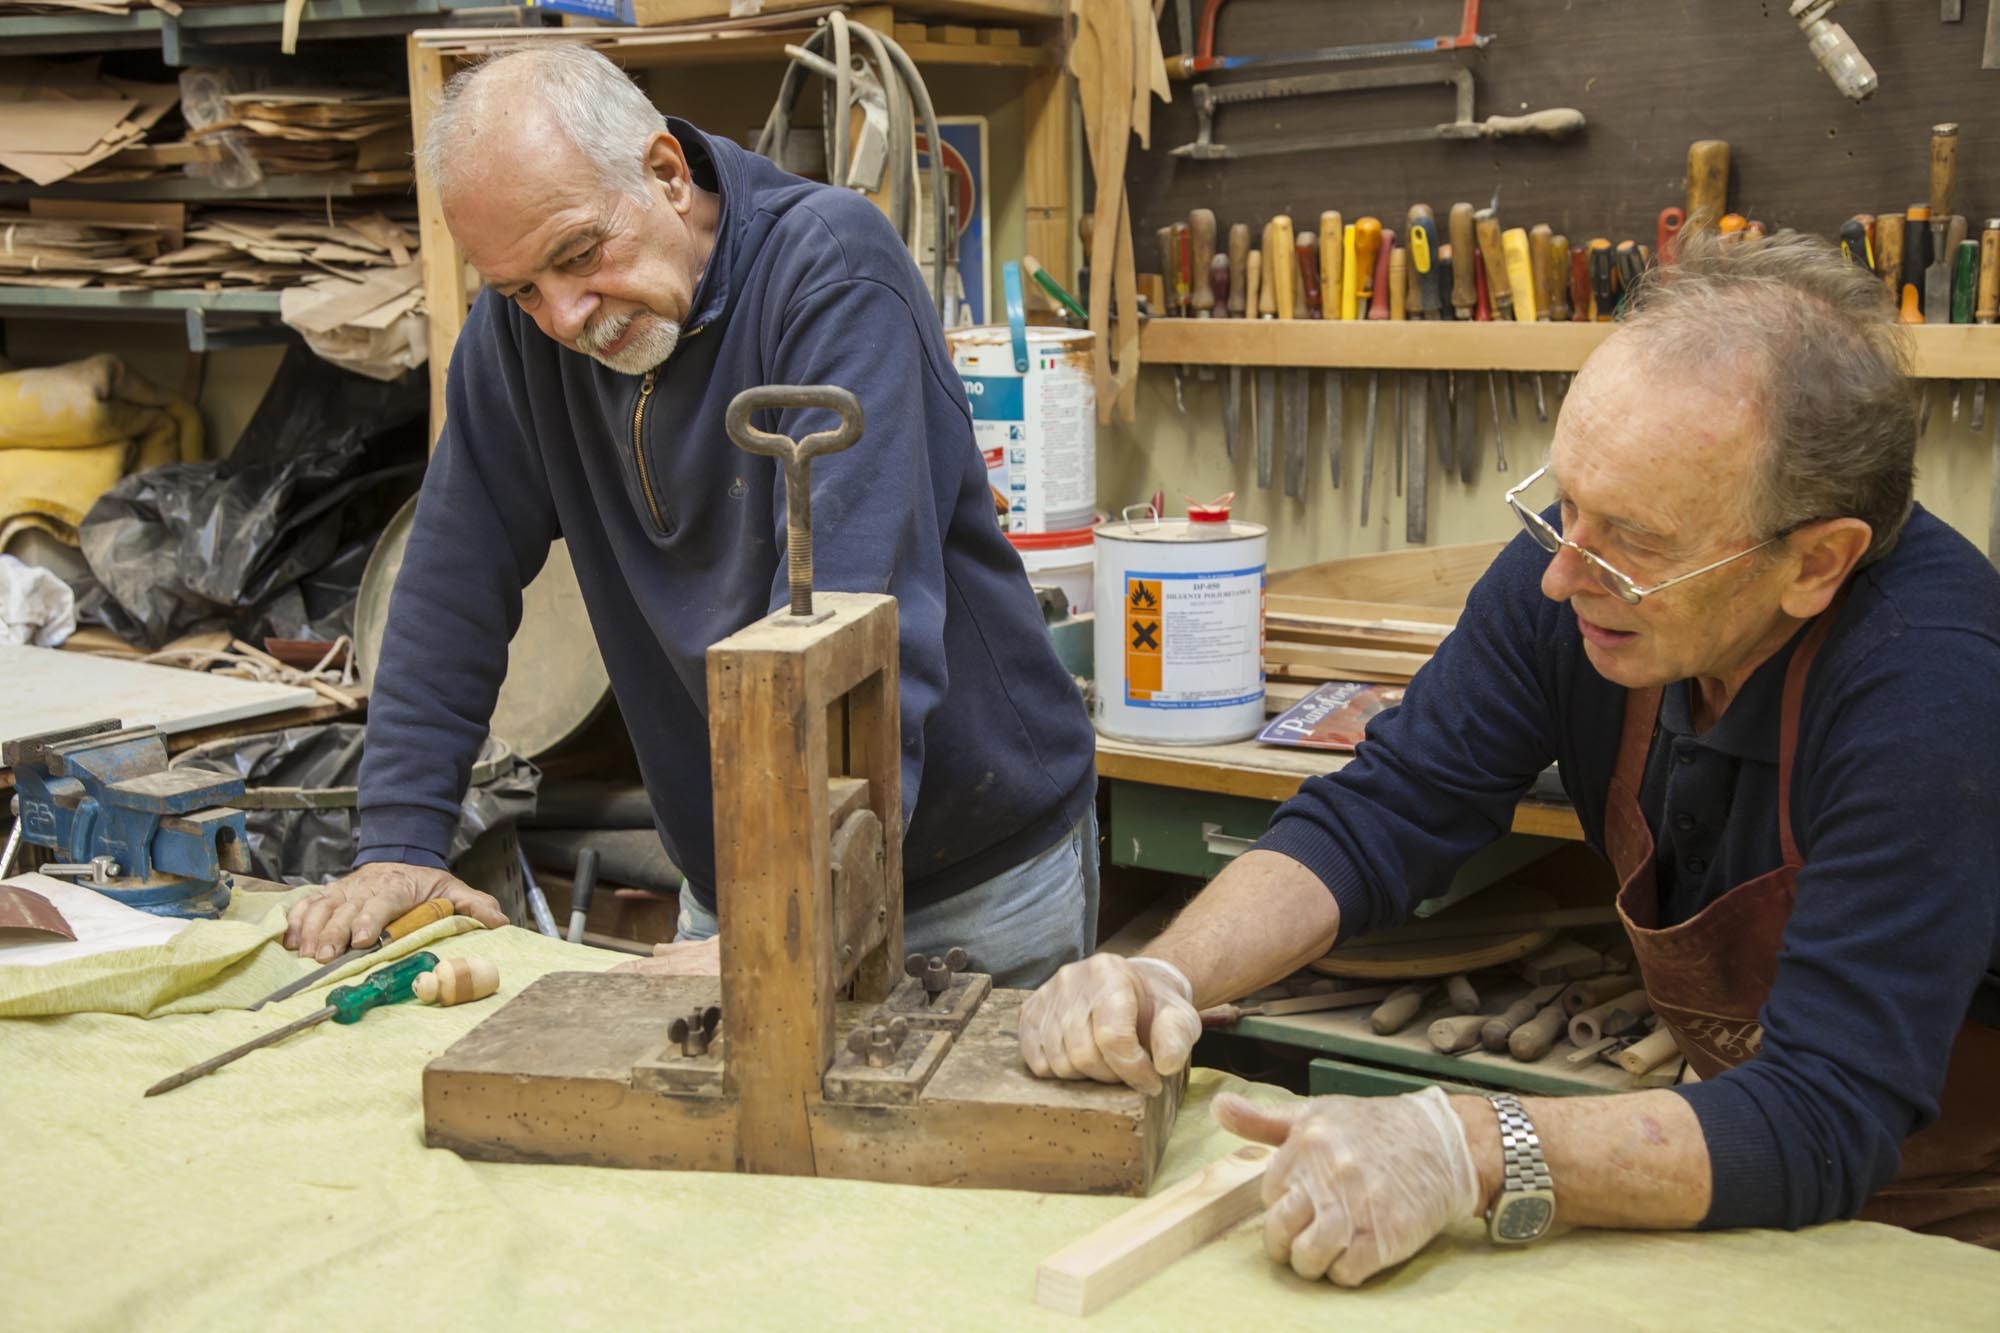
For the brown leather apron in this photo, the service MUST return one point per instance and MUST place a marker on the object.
(1709, 976)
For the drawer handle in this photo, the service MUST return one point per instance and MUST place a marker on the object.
(1226, 845)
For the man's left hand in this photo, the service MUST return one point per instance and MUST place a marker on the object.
(1359, 1184)
(700, 958)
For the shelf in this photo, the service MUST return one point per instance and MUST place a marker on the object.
(30, 34)
(1942, 351)
(60, 301)
(185, 188)
(636, 48)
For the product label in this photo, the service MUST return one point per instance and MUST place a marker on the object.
(1194, 640)
(1038, 435)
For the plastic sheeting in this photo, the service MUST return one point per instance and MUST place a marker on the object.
(272, 540)
(317, 844)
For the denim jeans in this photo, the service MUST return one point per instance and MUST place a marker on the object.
(1021, 925)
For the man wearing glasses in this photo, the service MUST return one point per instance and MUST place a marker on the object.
(1769, 681)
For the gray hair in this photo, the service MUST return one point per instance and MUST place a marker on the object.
(603, 114)
(1834, 393)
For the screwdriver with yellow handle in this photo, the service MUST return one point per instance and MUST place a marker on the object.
(431, 909)
(344, 1004)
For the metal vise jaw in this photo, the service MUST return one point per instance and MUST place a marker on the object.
(105, 791)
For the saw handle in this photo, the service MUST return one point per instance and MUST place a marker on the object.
(1556, 122)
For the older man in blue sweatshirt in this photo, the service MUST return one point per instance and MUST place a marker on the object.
(638, 275)
(1770, 683)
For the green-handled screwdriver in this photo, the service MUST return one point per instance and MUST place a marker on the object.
(344, 1004)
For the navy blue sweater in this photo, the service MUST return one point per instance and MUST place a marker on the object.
(1896, 806)
(685, 543)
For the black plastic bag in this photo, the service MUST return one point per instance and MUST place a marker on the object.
(300, 812)
(270, 541)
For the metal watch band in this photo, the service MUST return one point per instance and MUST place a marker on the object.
(1524, 1167)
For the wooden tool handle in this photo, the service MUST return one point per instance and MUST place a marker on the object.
(1279, 264)
(1944, 168)
(1707, 182)
(1399, 283)
(1554, 122)
(1493, 257)
(1459, 1032)
(1536, 1037)
(1379, 306)
(1989, 273)
(1170, 263)
(1394, 1014)
(1309, 289)
(1494, 1032)
(1463, 997)
(1331, 252)
(1520, 273)
(1649, 1052)
(1581, 995)
(1260, 291)
(1239, 269)
(1540, 239)
(431, 909)
(1422, 240)
(1916, 258)
(1558, 279)
(1610, 1018)
(1889, 252)
(458, 981)
(1367, 244)
(1201, 223)
(1463, 245)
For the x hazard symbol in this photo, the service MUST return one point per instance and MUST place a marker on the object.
(1144, 632)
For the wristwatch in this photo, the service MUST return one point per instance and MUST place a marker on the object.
(1527, 1202)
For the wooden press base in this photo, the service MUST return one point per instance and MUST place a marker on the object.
(550, 1078)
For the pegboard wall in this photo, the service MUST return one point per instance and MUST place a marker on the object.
(1650, 77)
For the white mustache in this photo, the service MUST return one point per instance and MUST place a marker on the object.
(595, 338)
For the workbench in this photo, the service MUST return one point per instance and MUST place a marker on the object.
(292, 1190)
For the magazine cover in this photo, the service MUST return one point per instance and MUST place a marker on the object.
(1333, 717)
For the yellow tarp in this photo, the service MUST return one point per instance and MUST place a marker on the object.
(292, 1190)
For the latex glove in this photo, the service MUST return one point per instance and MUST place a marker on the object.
(1113, 1019)
(351, 912)
(696, 958)
(1360, 1183)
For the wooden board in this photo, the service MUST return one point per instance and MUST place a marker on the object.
(1362, 961)
(48, 689)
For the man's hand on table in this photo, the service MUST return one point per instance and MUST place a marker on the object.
(352, 911)
(1359, 1184)
(1113, 1019)
(696, 958)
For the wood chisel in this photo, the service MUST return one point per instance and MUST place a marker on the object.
(1239, 276)
(1399, 278)
(1431, 295)
(1707, 183)
(1384, 269)
(1227, 1015)
(1499, 291)
(1332, 254)
(431, 909)
(1416, 400)
(1464, 290)
(1986, 307)
(1482, 311)
(1311, 303)
(1541, 240)
(1944, 182)
(346, 1004)
(1170, 264)
(1911, 290)
(1267, 376)
(1462, 386)
(1889, 253)
(1283, 261)
(1964, 285)
(1521, 280)
(1201, 294)
(1558, 298)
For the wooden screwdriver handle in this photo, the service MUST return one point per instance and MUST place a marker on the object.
(1707, 183)
(458, 981)
(1309, 302)
(1202, 223)
(1463, 245)
(1493, 257)
(1989, 273)
(1944, 168)
(1398, 278)
(1889, 252)
(1558, 279)
(1280, 263)
(1540, 239)
(1239, 267)
(1331, 251)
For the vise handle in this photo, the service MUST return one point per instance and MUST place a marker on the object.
(797, 456)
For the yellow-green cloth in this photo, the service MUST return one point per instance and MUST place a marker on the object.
(227, 964)
(292, 1190)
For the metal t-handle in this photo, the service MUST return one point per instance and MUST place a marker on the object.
(797, 457)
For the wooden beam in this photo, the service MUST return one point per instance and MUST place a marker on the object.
(445, 293)
(1048, 131)
(1082, 1278)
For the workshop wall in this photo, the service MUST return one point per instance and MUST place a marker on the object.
(1650, 79)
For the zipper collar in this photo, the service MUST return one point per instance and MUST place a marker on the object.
(712, 291)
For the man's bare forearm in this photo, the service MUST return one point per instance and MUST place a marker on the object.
(1264, 917)
(1637, 1160)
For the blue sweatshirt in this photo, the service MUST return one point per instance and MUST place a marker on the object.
(1895, 935)
(682, 542)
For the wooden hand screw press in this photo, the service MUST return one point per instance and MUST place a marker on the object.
(820, 1050)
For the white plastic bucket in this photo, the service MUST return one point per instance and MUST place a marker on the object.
(1037, 431)
(1180, 630)
(1065, 560)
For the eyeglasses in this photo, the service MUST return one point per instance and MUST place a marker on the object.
(1620, 585)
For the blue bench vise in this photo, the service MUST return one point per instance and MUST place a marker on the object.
(104, 799)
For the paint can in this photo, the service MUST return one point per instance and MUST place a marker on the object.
(1036, 426)
(1065, 560)
(1180, 627)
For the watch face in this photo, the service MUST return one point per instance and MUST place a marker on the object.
(1523, 1217)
